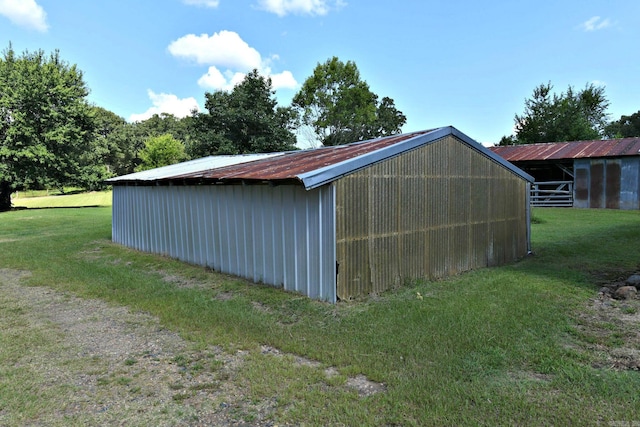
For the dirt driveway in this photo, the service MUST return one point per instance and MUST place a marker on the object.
(98, 364)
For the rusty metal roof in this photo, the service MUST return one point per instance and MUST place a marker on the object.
(316, 167)
(205, 163)
(570, 150)
(294, 164)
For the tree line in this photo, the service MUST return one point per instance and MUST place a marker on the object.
(52, 137)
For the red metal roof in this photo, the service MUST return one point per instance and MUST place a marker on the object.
(570, 150)
(291, 165)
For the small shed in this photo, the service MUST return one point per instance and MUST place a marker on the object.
(334, 222)
(581, 174)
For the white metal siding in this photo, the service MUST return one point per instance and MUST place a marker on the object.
(282, 236)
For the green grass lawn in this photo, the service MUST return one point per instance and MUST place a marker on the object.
(76, 200)
(496, 346)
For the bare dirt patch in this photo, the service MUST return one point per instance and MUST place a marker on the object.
(610, 327)
(363, 385)
(114, 367)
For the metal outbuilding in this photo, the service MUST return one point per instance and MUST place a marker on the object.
(581, 174)
(334, 222)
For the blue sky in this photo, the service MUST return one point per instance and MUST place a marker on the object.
(461, 63)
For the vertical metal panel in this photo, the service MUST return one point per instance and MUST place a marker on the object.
(200, 213)
(301, 244)
(116, 203)
(277, 229)
(191, 226)
(131, 214)
(582, 185)
(612, 180)
(235, 222)
(630, 183)
(596, 188)
(213, 232)
(137, 215)
(206, 233)
(282, 236)
(187, 231)
(245, 232)
(258, 214)
(179, 224)
(154, 214)
(224, 245)
(174, 248)
(435, 211)
(288, 238)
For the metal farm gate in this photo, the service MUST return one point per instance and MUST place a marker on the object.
(557, 194)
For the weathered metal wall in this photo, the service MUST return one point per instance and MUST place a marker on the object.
(435, 211)
(612, 183)
(282, 236)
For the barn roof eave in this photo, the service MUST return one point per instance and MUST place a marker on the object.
(204, 163)
(319, 177)
(495, 157)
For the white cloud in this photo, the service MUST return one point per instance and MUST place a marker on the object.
(229, 59)
(283, 80)
(595, 23)
(205, 3)
(225, 48)
(301, 7)
(25, 13)
(166, 103)
(215, 79)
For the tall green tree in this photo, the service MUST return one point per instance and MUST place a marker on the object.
(245, 120)
(568, 116)
(111, 151)
(627, 126)
(339, 106)
(46, 125)
(165, 123)
(160, 151)
(138, 133)
(120, 144)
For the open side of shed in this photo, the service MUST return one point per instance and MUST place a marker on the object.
(581, 174)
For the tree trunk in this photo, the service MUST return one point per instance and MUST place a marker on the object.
(5, 196)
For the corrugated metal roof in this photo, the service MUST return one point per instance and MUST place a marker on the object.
(570, 150)
(301, 165)
(319, 166)
(204, 163)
